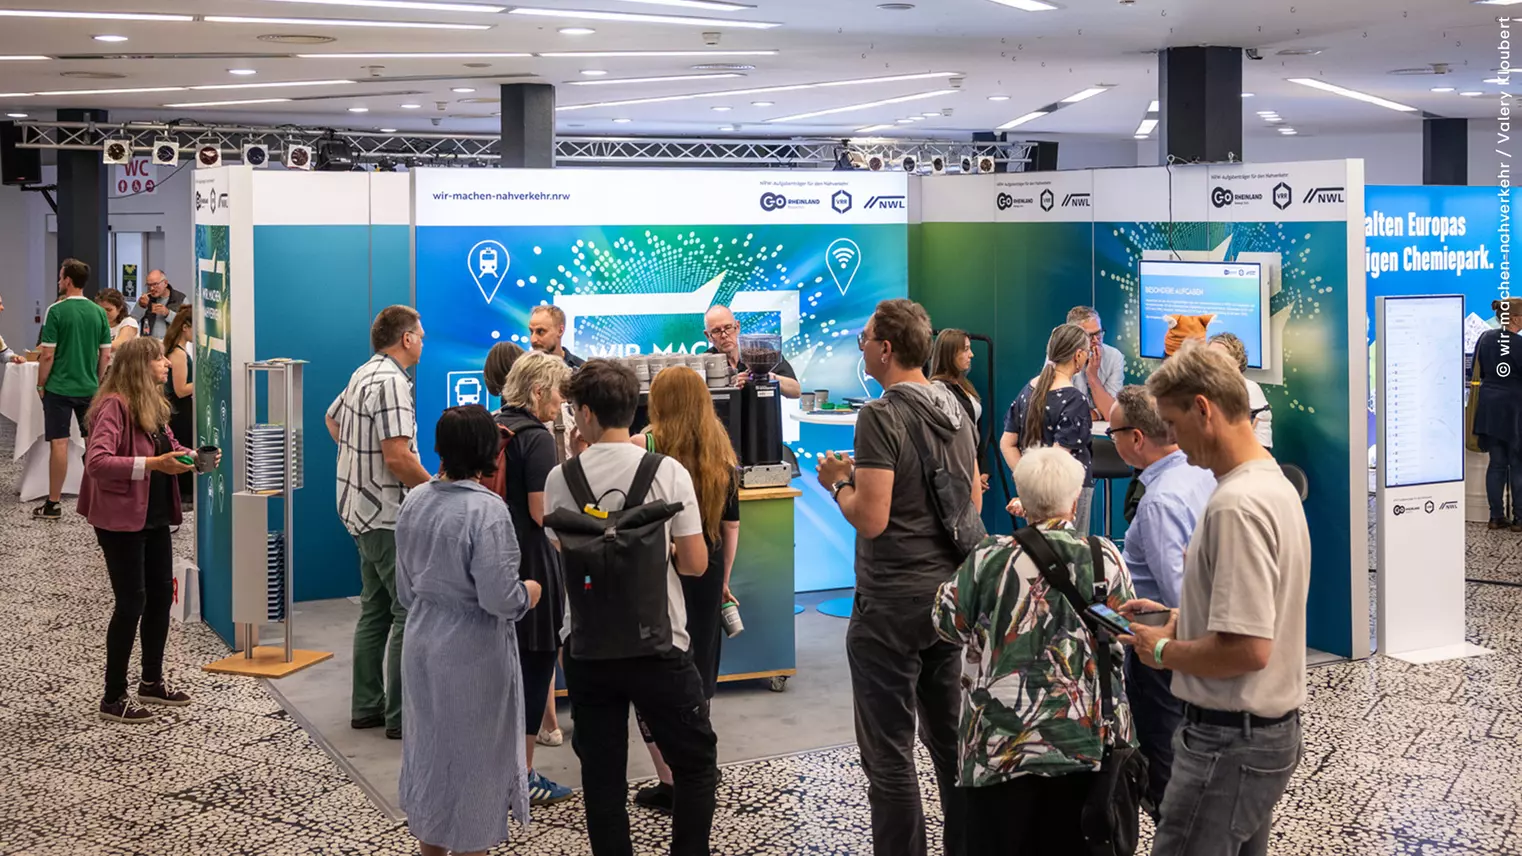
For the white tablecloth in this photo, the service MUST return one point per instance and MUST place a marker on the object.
(20, 403)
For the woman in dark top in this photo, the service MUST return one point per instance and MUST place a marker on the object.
(1050, 411)
(531, 397)
(950, 360)
(684, 426)
(1498, 411)
(180, 389)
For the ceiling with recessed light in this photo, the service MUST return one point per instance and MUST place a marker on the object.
(763, 67)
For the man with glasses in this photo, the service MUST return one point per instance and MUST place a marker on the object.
(1175, 497)
(157, 306)
(724, 335)
(1106, 372)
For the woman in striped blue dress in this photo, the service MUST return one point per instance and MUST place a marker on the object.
(462, 692)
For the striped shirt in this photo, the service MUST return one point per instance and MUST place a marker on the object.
(375, 406)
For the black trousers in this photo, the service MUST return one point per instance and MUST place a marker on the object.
(1157, 715)
(902, 671)
(141, 566)
(669, 695)
(1033, 815)
(538, 675)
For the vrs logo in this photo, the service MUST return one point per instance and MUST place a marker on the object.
(887, 202)
(1429, 506)
(1283, 196)
(841, 202)
(773, 202)
(1326, 195)
(1048, 199)
(1220, 198)
(1077, 200)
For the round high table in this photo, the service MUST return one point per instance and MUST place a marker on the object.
(20, 403)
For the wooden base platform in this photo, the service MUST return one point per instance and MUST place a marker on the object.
(268, 662)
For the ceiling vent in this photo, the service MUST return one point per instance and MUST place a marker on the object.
(1435, 68)
(1300, 52)
(92, 75)
(296, 39)
(723, 66)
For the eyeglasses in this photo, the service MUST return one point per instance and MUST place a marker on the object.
(1097, 334)
(725, 330)
(1110, 432)
(862, 339)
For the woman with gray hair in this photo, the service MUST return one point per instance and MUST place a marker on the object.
(1030, 700)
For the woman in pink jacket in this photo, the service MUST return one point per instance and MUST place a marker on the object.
(130, 495)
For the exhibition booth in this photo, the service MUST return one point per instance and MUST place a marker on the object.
(295, 265)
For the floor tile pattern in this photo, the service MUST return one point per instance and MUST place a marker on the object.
(1399, 759)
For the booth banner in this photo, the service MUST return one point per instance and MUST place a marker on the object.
(634, 258)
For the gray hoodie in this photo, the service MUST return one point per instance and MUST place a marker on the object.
(913, 556)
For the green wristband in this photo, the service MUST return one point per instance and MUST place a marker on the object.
(1157, 651)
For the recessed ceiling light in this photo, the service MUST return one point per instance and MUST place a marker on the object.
(242, 72)
(411, 106)
(998, 98)
(576, 31)
(405, 4)
(1028, 5)
(761, 90)
(711, 5)
(1288, 132)
(274, 84)
(230, 103)
(613, 81)
(1352, 93)
(1272, 120)
(594, 72)
(1442, 89)
(388, 130)
(1154, 107)
(462, 89)
(339, 22)
(721, 109)
(1141, 136)
(109, 38)
(413, 55)
(16, 115)
(1267, 113)
(1471, 94)
(637, 54)
(903, 121)
(935, 115)
(1146, 127)
(1496, 80)
(1085, 94)
(726, 127)
(22, 56)
(92, 16)
(868, 105)
(622, 121)
(359, 109)
(1028, 117)
(1497, 2)
(131, 91)
(633, 18)
(762, 103)
(1249, 95)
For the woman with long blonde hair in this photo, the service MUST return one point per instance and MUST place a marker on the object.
(130, 495)
(684, 426)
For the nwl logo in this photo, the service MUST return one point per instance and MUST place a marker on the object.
(881, 202)
(1326, 195)
(1077, 200)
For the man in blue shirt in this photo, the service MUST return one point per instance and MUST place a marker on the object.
(1174, 499)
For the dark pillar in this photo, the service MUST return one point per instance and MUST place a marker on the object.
(1445, 151)
(1201, 110)
(528, 125)
(83, 182)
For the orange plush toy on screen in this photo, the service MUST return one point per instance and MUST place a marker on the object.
(1182, 327)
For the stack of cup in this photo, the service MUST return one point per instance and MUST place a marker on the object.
(694, 362)
(716, 368)
(641, 366)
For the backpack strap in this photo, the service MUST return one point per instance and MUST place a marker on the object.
(576, 480)
(643, 478)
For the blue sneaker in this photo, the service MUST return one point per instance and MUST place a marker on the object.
(542, 791)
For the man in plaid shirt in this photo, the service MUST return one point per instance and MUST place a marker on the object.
(374, 423)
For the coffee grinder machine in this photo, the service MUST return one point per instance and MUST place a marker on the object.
(761, 461)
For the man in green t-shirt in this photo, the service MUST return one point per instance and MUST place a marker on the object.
(76, 345)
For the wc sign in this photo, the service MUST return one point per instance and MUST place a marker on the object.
(137, 176)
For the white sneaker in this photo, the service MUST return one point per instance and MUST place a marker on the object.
(550, 738)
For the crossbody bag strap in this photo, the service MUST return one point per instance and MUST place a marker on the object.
(1106, 700)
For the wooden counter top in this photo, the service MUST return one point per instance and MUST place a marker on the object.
(769, 493)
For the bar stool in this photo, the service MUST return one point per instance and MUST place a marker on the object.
(1106, 467)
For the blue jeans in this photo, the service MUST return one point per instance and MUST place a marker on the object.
(1225, 784)
(1505, 470)
(1157, 715)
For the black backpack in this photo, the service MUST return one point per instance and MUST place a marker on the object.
(950, 496)
(616, 564)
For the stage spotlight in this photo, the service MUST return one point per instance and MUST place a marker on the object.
(256, 155)
(298, 157)
(118, 152)
(166, 152)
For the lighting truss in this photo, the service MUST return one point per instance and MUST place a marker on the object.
(440, 149)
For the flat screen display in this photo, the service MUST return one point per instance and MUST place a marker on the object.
(1423, 372)
(1184, 300)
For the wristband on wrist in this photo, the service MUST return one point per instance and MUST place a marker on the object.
(839, 486)
(1157, 651)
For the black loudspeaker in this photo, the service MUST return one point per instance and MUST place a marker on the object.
(17, 165)
(1043, 157)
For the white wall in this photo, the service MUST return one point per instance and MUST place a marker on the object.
(1094, 153)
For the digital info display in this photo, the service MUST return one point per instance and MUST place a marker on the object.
(1186, 300)
(1422, 366)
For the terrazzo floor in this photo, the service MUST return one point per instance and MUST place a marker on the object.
(1400, 759)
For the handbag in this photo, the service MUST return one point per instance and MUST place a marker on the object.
(1111, 819)
(1472, 442)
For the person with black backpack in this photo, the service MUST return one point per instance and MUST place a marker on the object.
(531, 397)
(913, 494)
(1044, 711)
(628, 526)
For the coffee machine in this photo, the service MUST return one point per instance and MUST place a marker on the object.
(761, 455)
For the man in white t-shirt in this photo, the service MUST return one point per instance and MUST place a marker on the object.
(1236, 644)
(666, 689)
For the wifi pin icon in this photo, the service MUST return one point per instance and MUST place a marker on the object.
(844, 260)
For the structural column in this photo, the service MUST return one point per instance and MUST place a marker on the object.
(1445, 151)
(1200, 90)
(528, 125)
(83, 184)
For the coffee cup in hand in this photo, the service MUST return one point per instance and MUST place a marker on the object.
(206, 458)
